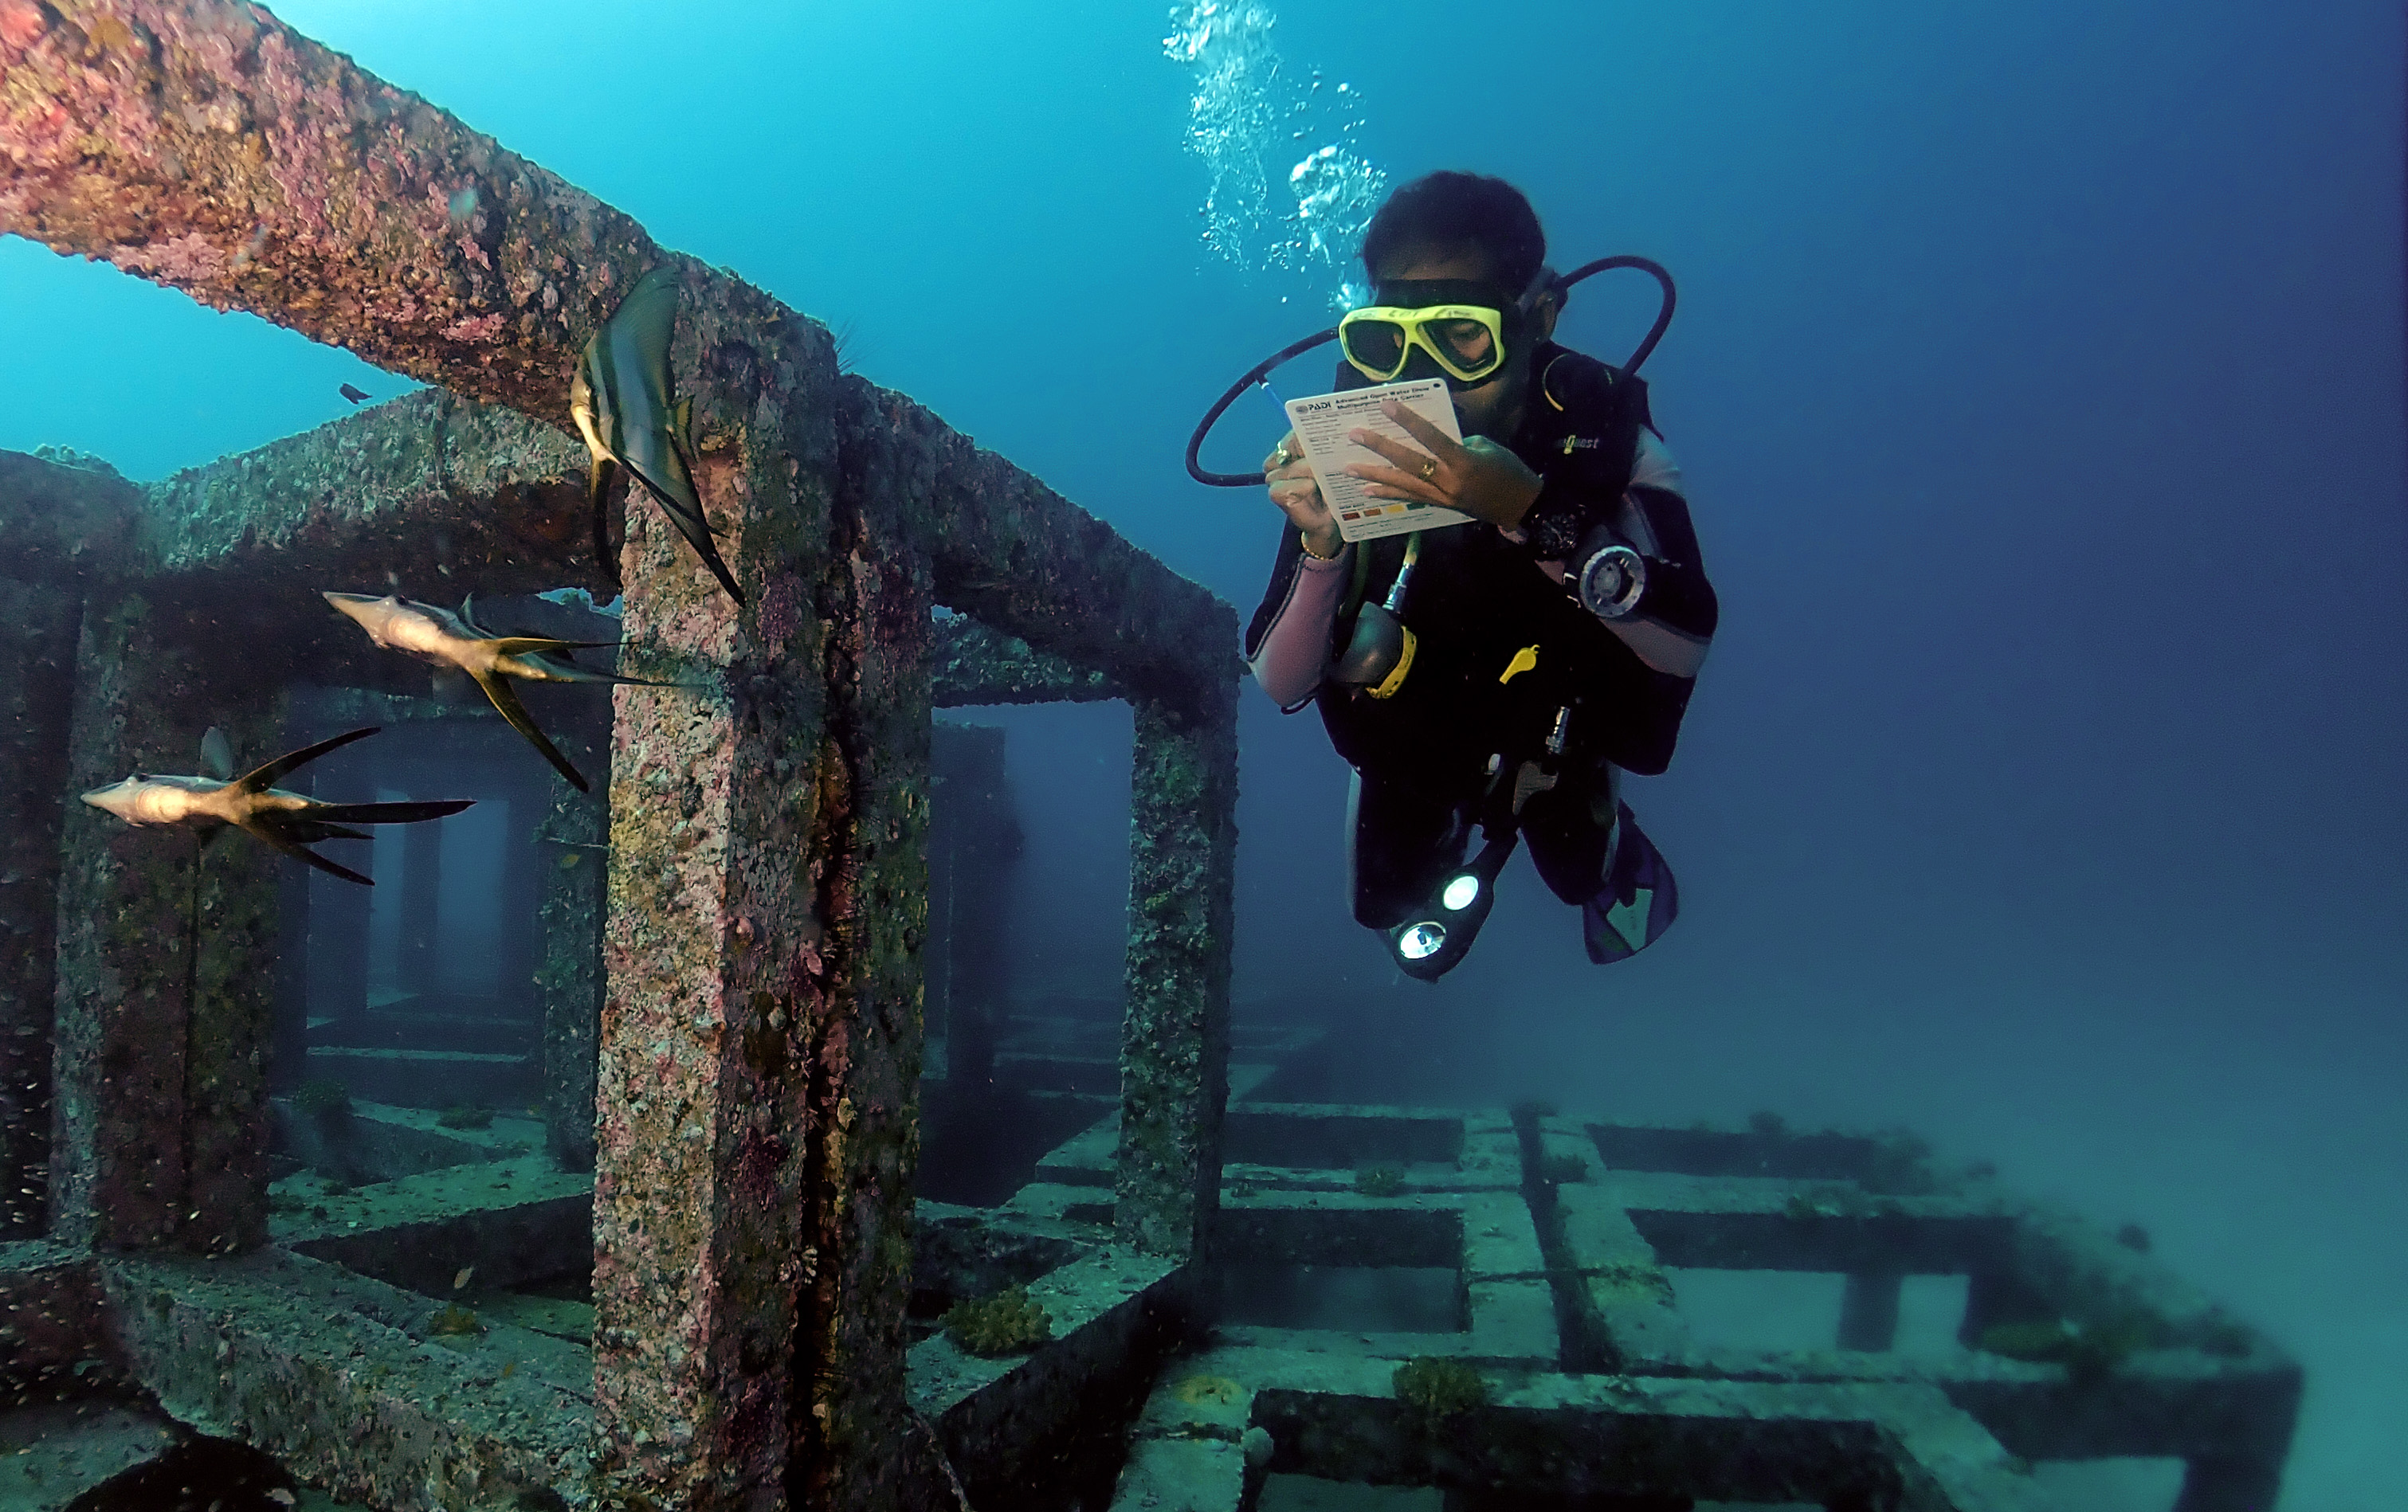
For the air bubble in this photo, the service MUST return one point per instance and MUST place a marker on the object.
(1242, 96)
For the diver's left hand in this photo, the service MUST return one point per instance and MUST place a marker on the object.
(1477, 477)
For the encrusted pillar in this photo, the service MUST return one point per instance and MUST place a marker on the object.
(338, 953)
(1175, 1035)
(38, 641)
(519, 941)
(1869, 1310)
(760, 1028)
(760, 1035)
(288, 1039)
(973, 839)
(418, 966)
(572, 855)
(161, 1034)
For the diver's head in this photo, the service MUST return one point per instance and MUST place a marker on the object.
(1471, 241)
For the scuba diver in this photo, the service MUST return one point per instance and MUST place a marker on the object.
(1498, 674)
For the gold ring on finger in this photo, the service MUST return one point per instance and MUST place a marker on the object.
(1429, 469)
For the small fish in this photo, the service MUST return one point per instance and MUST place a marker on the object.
(457, 644)
(355, 395)
(619, 400)
(280, 1496)
(462, 1279)
(289, 821)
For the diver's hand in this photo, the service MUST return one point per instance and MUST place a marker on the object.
(1299, 497)
(1477, 477)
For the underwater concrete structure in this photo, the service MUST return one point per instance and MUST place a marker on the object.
(730, 996)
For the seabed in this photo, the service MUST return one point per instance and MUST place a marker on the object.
(696, 1259)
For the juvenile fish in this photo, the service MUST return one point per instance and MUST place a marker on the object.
(289, 821)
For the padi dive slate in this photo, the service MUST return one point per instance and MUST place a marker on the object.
(1321, 426)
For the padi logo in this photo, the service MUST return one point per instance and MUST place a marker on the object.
(1582, 443)
(1315, 403)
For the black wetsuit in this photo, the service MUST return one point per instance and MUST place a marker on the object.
(1476, 601)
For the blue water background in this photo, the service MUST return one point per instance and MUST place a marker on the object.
(2038, 382)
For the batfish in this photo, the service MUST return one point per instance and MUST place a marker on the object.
(454, 642)
(619, 400)
(290, 821)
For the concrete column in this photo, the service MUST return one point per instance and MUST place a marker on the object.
(1175, 1038)
(573, 873)
(37, 642)
(974, 838)
(1869, 1310)
(760, 1025)
(2244, 1482)
(339, 949)
(1996, 1295)
(161, 1098)
(521, 944)
(418, 965)
(288, 1047)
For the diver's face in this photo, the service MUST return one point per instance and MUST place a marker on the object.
(1493, 408)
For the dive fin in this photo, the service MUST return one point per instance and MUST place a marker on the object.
(263, 777)
(1638, 900)
(506, 700)
(302, 853)
(216, 755)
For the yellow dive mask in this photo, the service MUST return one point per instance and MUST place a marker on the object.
(1467, 341)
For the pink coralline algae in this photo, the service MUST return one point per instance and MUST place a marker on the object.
(781, 613)
(182, 261)
(21, 26)
(474, 328)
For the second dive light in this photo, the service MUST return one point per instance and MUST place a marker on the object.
(1436, 937)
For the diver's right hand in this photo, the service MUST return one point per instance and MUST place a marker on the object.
(1299, 496)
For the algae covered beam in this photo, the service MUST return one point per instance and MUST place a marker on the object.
(210, 148)
(1029, 564)
(429, 486)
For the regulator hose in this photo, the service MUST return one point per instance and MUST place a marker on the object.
(1260, 370)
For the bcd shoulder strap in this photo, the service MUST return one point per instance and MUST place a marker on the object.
(1583, 427)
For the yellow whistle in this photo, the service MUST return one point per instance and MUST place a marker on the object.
(1523, 660)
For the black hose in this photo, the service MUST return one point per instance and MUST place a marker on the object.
(1255, 373)
(1663, 313)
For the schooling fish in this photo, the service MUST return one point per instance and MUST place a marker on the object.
(456, 642)
(620, 403)
(290, 821)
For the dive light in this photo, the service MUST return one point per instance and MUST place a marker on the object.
(1440, 933)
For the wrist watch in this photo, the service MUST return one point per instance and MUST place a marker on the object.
(1612, 582)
